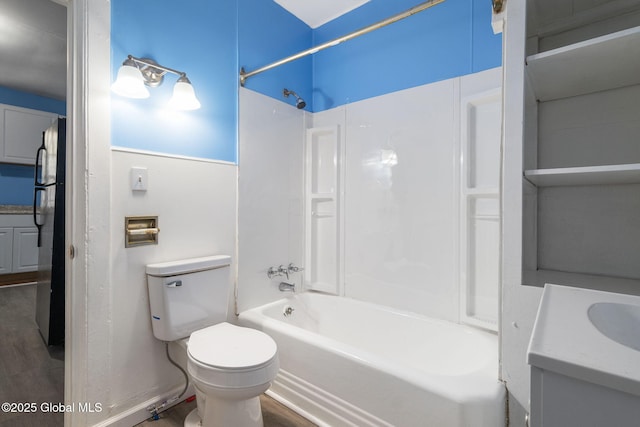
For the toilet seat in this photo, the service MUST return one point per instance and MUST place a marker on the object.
(229, 356)
(226, 346)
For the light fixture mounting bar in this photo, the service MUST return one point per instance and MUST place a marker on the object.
(395, 18)
(155, 65)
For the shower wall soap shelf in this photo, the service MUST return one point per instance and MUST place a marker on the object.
(323, 210)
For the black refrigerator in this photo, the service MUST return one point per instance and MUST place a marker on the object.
(48, 216)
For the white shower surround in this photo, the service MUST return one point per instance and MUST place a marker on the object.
(346, 362)
(401, 216)
(270, 222)
(402, 155)
(402, 221)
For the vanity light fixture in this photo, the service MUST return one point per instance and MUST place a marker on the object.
(137, 73)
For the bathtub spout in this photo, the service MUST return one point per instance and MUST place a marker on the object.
(287, 287)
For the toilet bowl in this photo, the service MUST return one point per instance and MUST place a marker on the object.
(229, 366)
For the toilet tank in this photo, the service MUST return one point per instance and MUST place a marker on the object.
(188, 295)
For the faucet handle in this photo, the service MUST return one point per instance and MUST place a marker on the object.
(283, 270)
(271, 272)
(293, 268)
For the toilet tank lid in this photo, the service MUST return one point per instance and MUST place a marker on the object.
(191, 265)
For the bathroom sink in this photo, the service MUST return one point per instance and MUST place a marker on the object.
(617, 321)
(585, 358)
(588, 335)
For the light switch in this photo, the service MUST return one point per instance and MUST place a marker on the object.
(139, 179)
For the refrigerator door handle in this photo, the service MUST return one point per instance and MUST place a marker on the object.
(35, 213)
(38, 165)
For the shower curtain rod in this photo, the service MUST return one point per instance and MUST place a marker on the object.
(395, 18)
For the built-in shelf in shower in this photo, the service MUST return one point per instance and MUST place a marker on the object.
(323, 196)
(322, 210)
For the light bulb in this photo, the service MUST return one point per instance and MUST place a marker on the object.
(184, 97)
(130, 82)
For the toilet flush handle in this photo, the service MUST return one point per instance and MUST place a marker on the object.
(174, 284)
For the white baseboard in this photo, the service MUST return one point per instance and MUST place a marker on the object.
(139, 413)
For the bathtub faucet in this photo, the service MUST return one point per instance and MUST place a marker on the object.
(281, 270)
(287, 287)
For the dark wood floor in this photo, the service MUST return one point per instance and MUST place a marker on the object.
(29, 370)
(273, 413)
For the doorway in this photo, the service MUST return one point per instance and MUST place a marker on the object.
(33, 76)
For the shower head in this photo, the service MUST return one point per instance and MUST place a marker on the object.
(300, 104)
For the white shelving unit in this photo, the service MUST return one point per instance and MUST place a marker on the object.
(602, 63)
(579, 228)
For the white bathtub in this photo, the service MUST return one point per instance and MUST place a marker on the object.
(345, 362)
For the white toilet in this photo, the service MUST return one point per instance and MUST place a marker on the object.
(230, 366)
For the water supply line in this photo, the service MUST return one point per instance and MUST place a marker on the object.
(244, 75)
(155, 409)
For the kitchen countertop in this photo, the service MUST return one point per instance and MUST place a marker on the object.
(16, 210)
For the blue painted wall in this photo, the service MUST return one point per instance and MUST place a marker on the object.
(199, 38)
(29, 100)
(16, 181)
(212, 40)
(16, 184)
(268, 33)
(448, 40)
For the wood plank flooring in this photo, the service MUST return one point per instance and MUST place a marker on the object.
(29, 370)
(274, 414)
(32, 372)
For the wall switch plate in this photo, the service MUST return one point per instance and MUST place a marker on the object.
(139, 179)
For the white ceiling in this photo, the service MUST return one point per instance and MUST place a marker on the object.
(318, 12)
(33, 47)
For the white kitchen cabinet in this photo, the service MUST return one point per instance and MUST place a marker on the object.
(18, 244)
(25, 249)
(21, 133)
(6, 250)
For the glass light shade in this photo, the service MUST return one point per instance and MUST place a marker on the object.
(184, 97)
(130, 83)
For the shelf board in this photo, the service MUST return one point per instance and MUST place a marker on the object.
(482, 192)
(587, 175)
(589, 281)
(323, 196)
(607, 62)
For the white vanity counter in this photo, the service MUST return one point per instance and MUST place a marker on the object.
(565, 340)
(582, 373)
